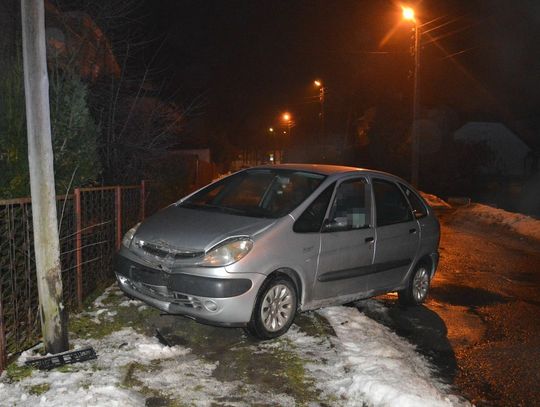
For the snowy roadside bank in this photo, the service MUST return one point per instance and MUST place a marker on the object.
(365, 364)
(371, 365)
(521, 224)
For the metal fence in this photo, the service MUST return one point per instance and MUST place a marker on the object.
(91, 222)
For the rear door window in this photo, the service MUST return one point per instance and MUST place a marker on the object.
(390, 202)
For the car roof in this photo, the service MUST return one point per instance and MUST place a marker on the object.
(324, 169)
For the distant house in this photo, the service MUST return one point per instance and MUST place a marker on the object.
(509, 152)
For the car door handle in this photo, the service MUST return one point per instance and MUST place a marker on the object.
(413, 230)
(369, 239)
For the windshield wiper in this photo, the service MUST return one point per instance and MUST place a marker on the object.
(219, 208)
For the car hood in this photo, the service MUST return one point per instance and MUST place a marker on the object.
(196, 230)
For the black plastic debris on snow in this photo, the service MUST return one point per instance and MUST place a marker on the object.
(64, 358)
(161, 338)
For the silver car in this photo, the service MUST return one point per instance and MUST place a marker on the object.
(253, 249)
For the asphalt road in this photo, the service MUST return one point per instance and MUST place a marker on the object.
(481, 323)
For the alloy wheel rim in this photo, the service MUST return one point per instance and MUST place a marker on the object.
(420, 284)
(277, 308)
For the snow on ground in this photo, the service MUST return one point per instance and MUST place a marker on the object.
(368, 363)
(365, 364)
(434, 201)
(96, 383)
(130, 368)
(521, 224)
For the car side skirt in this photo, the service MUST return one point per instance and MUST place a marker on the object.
(362, 271)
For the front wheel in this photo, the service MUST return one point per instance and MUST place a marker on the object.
(274, 310)
(417, 288)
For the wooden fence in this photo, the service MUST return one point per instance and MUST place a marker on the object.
(91, 222)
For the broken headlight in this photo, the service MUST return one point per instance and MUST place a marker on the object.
(128, 237)
(227, 252)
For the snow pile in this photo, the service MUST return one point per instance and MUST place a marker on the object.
(96, 383)
(370, 364)
(521, 224)
(434, 201)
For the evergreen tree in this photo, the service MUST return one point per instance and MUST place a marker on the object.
(73, 129)
(74, 133)
(14, 176)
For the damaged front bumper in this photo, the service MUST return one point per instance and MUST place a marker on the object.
(208, 295)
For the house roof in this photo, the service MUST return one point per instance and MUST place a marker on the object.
(508, 150)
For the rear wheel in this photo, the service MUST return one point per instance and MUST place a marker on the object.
(417, 288)
(274, 310)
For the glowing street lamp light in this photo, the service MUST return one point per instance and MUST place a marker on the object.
(408, 13)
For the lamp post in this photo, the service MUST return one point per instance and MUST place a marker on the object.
(271, 132)
(287, 119)
(322, 91)
(408, 14)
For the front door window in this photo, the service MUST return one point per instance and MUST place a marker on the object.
(351, 206)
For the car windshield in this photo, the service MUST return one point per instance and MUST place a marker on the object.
(265, 193)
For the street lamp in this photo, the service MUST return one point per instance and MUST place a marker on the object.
(287, 119)
(409, 15)
(322, 92)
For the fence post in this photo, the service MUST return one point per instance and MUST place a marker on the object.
(143, 199)
(118, 206)
(78, 245)
(3, 347)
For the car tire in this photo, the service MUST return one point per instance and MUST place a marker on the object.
(274, 309)
(417, 287)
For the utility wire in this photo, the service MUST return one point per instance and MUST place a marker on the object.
(432, 21)
(451, 33)
(454, 20)
(458, 53)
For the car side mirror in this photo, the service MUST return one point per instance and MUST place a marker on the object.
(336, 225)
(418, 215)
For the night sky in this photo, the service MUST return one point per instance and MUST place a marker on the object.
(251, 60)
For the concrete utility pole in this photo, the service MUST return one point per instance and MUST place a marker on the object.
(415, 142)
(409, 15)
(40, 158)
